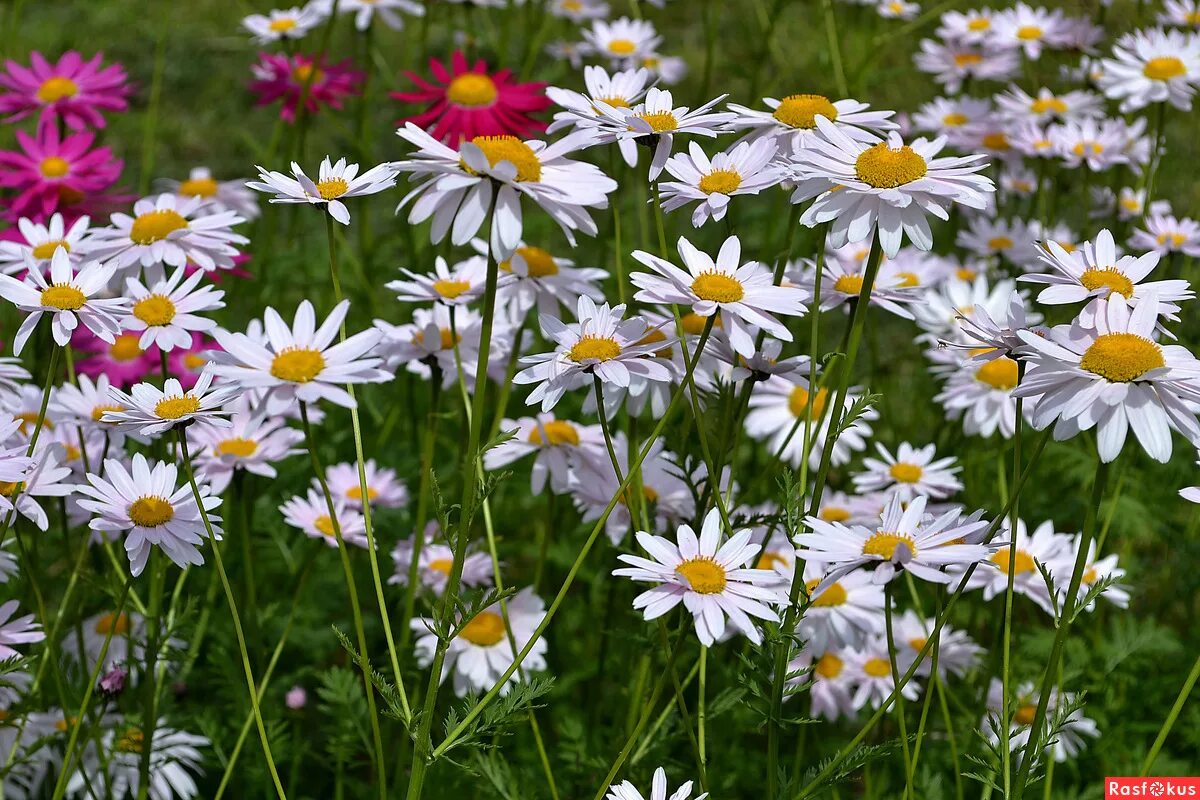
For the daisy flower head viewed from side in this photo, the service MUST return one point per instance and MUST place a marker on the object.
(72, 89)
(621, 89)
(889, 186)
(335, 182)
(911, 472)
(601, 343)
(71, 297)
(215, 195)
(793, 119)
(148, 410)
(709, 576)
(656, 121)
(460, 285)
(283, 23)
(745, 169)
(165, 230)
(310, 513)
(623, 41)
(658, 790)
(292, 79)
(42, 241)
(744, 295)
(466, 101)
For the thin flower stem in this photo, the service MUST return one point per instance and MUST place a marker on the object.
(1169, 722)
(889, 601)
(1006, 673)
(598, 387)
(659, 223)
(648, 739)
(664, 639)
(355, 608)
(233, 612)
(933, 677)
(428, 440)
(702, 709)
(1069, 607)
(150, 677)
(51, 373)
(951, 739)
(835, 48)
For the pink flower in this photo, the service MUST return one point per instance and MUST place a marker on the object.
(73, 89)
(185, 364)
(281, 76)
(122, 361)
(466, 103)
(296, 698)
(50, 172)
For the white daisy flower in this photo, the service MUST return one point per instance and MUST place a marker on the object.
(151, 508)
(601, 343)
(364, 11)
(1044, 547)
(1152, 66)
(1011, 238)
(972, 25)
(579, 11)
(299, 363)
(953, 63)
(558, 445)
(845, 614)
(1165, 233)
(429, 340)
(1131, 204)
(47, 478)
(622, 89)
(167, 312)
(21, 630)
(658, 790)
(792, 119)
(1094, 570)
(457, 186)
(745, 169)
(829, 684)
(1028, 29)
(435, 561)
(667, 70)
(277, 24)
(459, 285)
(1180, 14)
(85, 403)
(310, 513)
(897, 9)
(170, 231)
(215, 196)
(42, 242)
(1097, 143)
(779, 407)
(1068, 740)
(150, 411)
(912, 472)
(250, 442)
(980, 392)
(126, 644)
(622, 40)
(957, 652)
(384, 489)
(69, 296)
(951, 115)
(842, 277)
(335, 183)
(174, 756)
(1019, 106)
(903, 539)
(870, 671)
(1113, 378)
(482, 650)
(535, 277)
(890, 186)
(709, 577)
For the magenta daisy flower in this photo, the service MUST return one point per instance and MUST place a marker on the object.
(49, 172)
(72, 89)
(124, 361)
(288, 78)
(465, 102)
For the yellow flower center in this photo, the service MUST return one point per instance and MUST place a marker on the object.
(718, 287)
(614, 101)
(1090, 575)
(54, 167)
(63, 297)
(660, 121)
(116, 624)
(46, 250)
(721, 181)
(979, 24)
(538, 262)
(198, 187)
(154, 310)
(834, 514)
(557, 432)
(621, 47)
(693, 323)
(848, 284)
(884, 545)
(1029, 33)
(99, 411)
(996, 140)
(131, 741)
(65, 724)
(450, 289)
(1022, 563)
(512, 150)
(471, 90)
(597, 348)
(999, 243)
(965, 274)
(282, 25)
(877, 667)
(884, 168)
(835, 595)
(176, 407)
(442, 565)
(704, 575)
(332, 188)
(237, 447)
(1131, 204)
(1025, 714)
(801, 110)
(324, 525)
(955, 119)
(1122, 357)
(193, 362)
(485, 629)
(962, 60)
(1164, 68)
(906, 473)
(297, 364)
(999, 373)
(1088, 148)
(125, 348)
(1109, 278)
(768, 560)
(56, 88)
(908, 279)
(829, 666)
(153, 226)
(151, 511)
(307, 74)
(1045, 105)
(1176, 239)
(798, 402)
(355, 493)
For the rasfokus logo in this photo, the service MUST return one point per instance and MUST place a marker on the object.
(1151, 787)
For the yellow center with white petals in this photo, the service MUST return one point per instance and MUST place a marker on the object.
(154, 226)
(1047, 105)
(355, 493)
(801, 110)
(1029, 33)
(693, 323)
(512, 150)
(151, 511)
(829, 666)
(1122, 357)
(125, 348)
(877, 667)
(621, 47)
(848, 284)
(99, 411)
(835, 595)
(768, 560)
(198, 187)
(594, 348)
(54, 167)
(237, 446)
(1109, 278)
(955, 119)
(996, 140)
(116, 624)
(905, 472)
(884, 168)
(999, 373)
(999, 243)
(297, 364)
(442, 565)
(63, 297)
(472, 90)
(660, 121)
(834, 514)
(908, 279)
(46, 250)
(57, 88)
(884, 545)
(332, 188)
(979, 24)
(557, 432)
(485, 629)
(1021, 563)
(131, 741)
(450, 289)
(720, 181)
(282, 25)
(155, 310)
(614, 101)
(538, 262)
(798, 402)
(963, 60)
(1164, 68)
(1084, 149)
(324, 525)
(176, 407)
(703, 575)
(717, 287)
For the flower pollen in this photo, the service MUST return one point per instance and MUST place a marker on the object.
(1122, 357)
(801, 110)
(703, 575)
(151, 511)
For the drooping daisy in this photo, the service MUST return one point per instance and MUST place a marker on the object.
(167, 312)
(435, 561)
(558, 445)
(457, 186)
(251, 442)
(150, 411)
(466, 101)
(709, 577)
(364, 11)
(482, 650)
(384, 490)
(300, 362)
(290, 78)
(779, 407)
(658, 790)
(215, 195)
(310, 513)
(601, 343)
(21, 630)
(149, 506)
(72, 89)
(1152, 66)
(903, 539)
(71, 297)
(1044, 547)
(279, 24)
(911, 472)
(51, 172)
(745, 169)
(622, 40)
(792, 119)
(1113, 378)
(164, 230)
(42, 241)
(335, 182)
(889, 186)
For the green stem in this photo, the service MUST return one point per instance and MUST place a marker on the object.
(428, 440)
(1006, 673)
(889, 601)
(1169, 722)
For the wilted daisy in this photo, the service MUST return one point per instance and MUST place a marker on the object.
(911, 472)
(658, 790)
(1152, 66)
(149, 411)
(779, 408)
(793, 118)
(709, 577)
(1114, 378)
(435, 561)
(291, 23)
(300, 362)
(622, 40)
(69, 296)
(174, 755)
(601, 343)
(890, 186)
(250, 442)
(41, 242)
(334, 183)
(384, 489)
(147, 504)
(482, 649)
(168, 230)
(215, 196)
(1044, 547)
(558, 444)
(167, 311)
(902, 539)
(745, 169)
(656, 121)
(310, 513)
